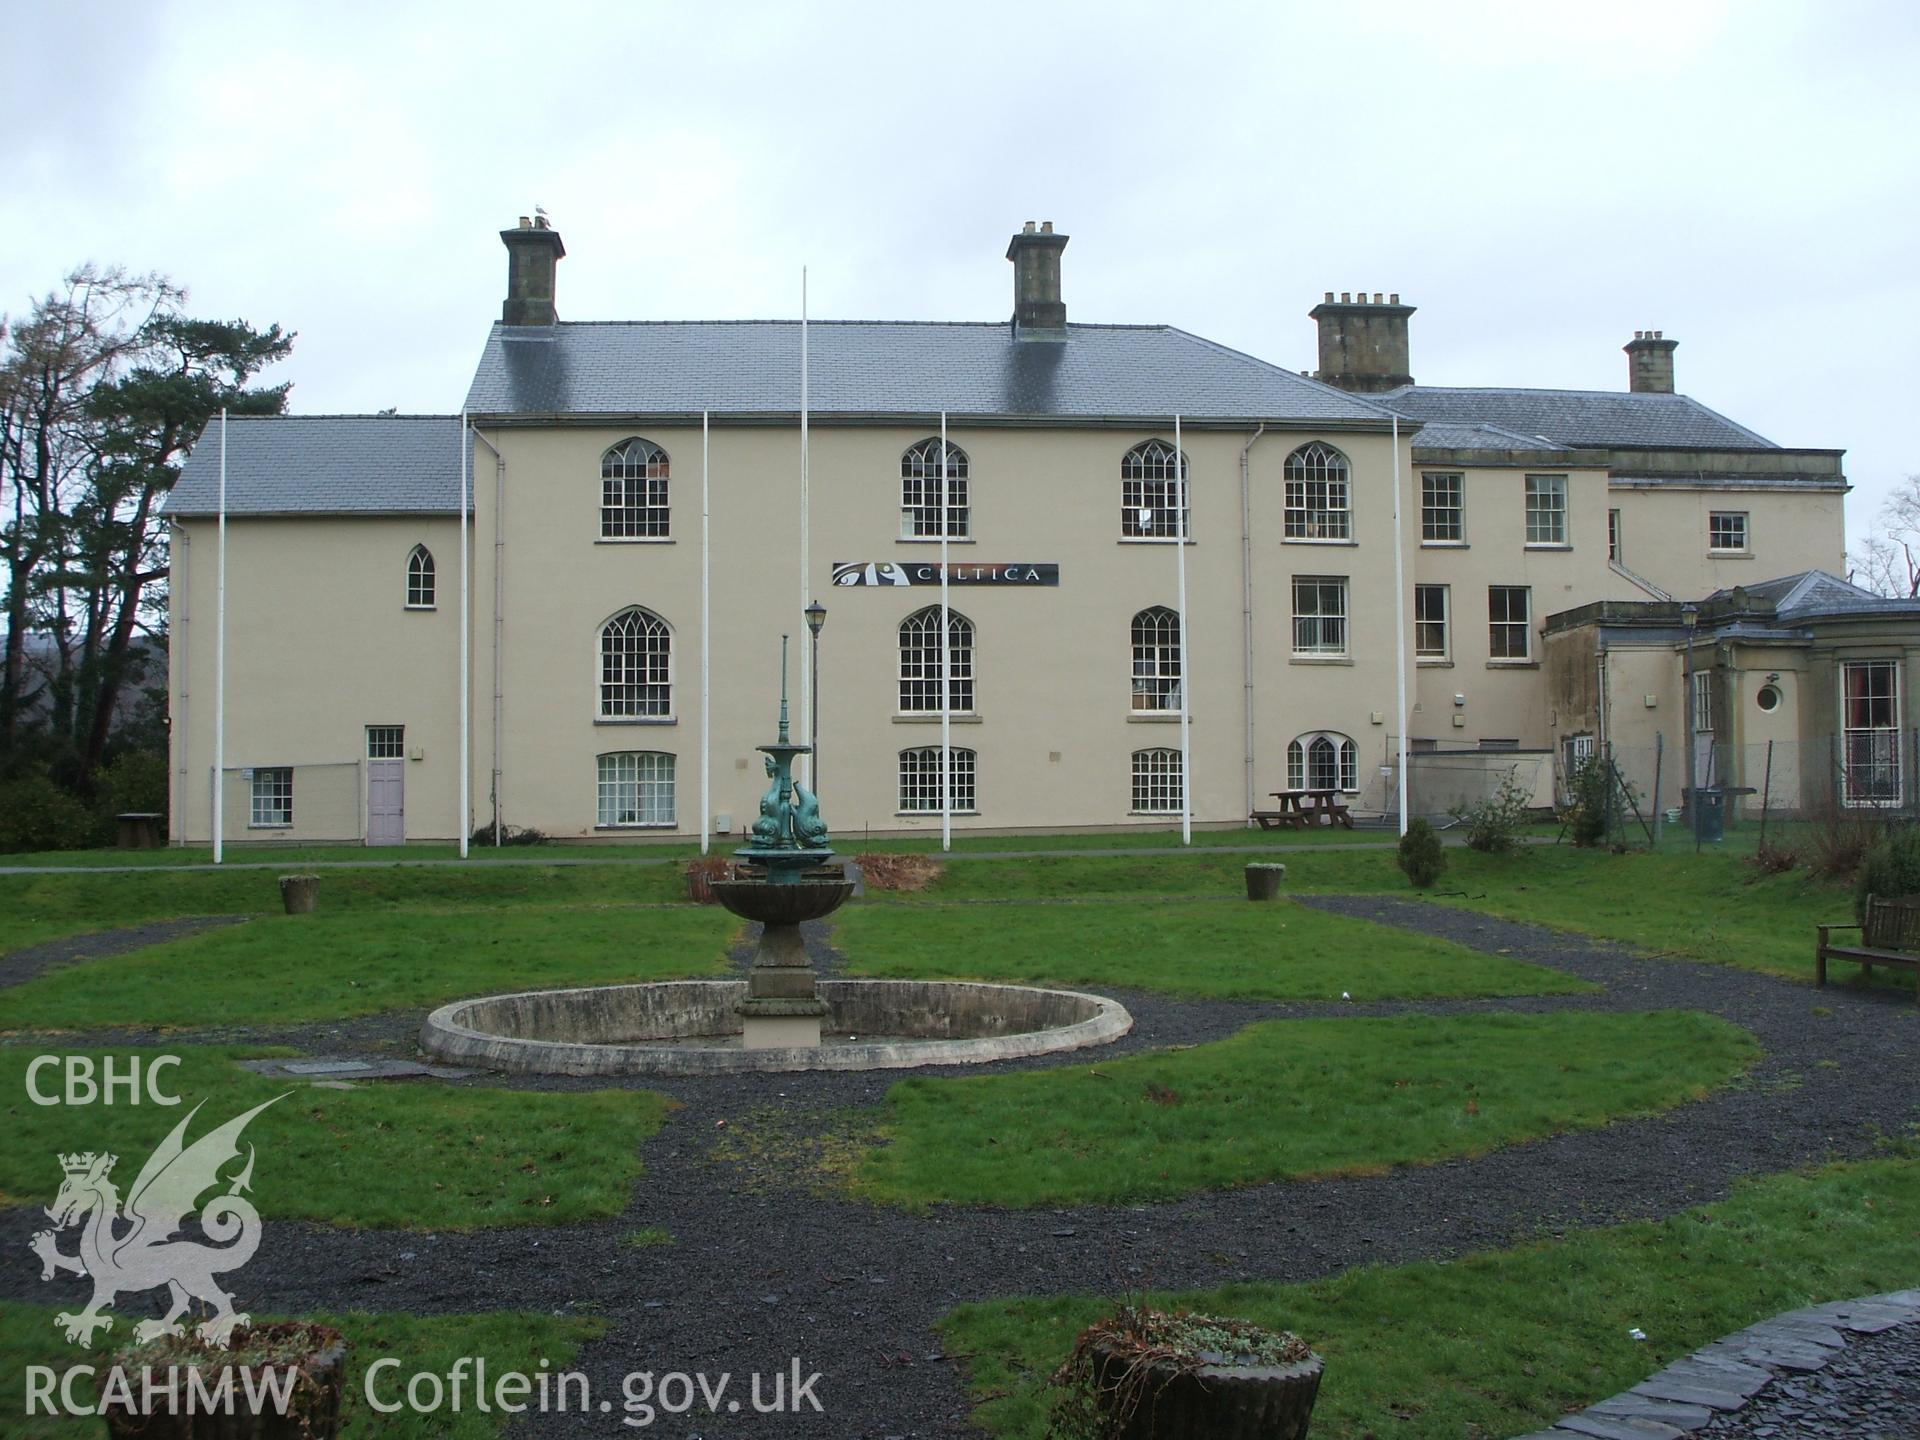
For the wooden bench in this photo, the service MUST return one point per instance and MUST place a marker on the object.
(1890, 935)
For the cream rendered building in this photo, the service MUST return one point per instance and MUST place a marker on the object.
(584, 564)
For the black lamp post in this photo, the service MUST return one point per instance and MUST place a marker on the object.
(816, 614)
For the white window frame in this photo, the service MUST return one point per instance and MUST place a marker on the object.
(1156, 661)
(420, 579)
(1320, 632)
(919, 692)
(1318, 496)
(635, 668)
(921, 516)
(1346, 761)
(1714, 547)
(635, 790)
(1159, 782)
(1149, 491)
(1870, 752)
(271, 806)
(1547, 512)
(635, 492)
(1508, 625)
(1443, 507)
(1443, 623)
(920, 777)
(386, 742)
(1703, 702)
(1613, 536)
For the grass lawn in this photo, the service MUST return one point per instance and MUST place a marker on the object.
(1288, 1099)
(289, 969)
(509, 1339)
(423, 1156)
(1216, 949)
(45, 907)
(1506, 1341)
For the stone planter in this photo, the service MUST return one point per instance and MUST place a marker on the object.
(1217, 1402)
(701, 874)
(299, 893)
(318, 1353)
(1263, 880)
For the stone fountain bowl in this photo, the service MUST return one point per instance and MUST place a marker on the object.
(782, 904)
(692, 1027)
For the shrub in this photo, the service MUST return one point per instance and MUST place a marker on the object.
(1774, 858)
(1890, 868)
(36, 814)
(1589, 814)
(1840, 837)
(134, 781)
(882, 870)
(1420, 854)
(509, 835)
(1493, 824)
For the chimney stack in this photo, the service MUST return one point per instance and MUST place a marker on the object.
(1650, 363)
(1363, 343)
(1038, 311)
(533, 249)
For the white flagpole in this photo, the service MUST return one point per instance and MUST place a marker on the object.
(706, 647)
(1399, 628)
(466, 705)
(1180, 548)
(946, 661)
(806, 581)
(220, 661)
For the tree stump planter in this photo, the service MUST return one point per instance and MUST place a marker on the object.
(299, 893)
(1217, 1402)
(701, 872)
(316, 1354)
(1263, 880)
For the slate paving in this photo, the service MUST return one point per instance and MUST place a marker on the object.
(764, 1268)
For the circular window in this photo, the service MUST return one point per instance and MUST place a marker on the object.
(1769, 697)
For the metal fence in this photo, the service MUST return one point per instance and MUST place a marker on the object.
(1786, 778)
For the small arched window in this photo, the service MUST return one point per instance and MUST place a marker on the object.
(920, 492)
(636, 667)
(1323, 761)
(1151, 487)
(420, 578)
(1159, 782)
(633, 492)
(1156, 660)
(920, 662)
(923, 779)
(1319, 500)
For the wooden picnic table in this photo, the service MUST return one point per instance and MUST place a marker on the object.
(1302, 809)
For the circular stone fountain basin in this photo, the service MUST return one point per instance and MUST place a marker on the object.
(692, 1027)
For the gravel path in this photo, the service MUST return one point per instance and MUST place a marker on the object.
(763, 1268)
(19, 966)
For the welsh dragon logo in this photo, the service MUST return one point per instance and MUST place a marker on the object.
(135, 1249)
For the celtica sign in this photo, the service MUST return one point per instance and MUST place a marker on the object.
(887, 572)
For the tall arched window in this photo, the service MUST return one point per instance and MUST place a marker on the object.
(920, 662)
(1149, 491)
(1323, 761)
(420, 579)
(1159, 782)
(636, 667)
(1319, 495)
(920, 480)
(633, 491)
(1156, 660)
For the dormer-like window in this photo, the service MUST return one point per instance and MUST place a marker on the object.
(420, 579)
(633, 492)
(1153, 493)
(921, 501)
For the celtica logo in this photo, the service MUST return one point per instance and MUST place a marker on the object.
(132, 1247)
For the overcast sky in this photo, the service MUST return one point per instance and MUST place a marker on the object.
(1540, 179)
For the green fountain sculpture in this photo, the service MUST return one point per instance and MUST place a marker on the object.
(782, 885)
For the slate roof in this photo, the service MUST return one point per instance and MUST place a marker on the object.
(325, 465)
(1814, 594)
(881, 368)
(1451, 435)
(1580, 417)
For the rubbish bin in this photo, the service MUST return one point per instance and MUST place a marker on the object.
(1709, 815)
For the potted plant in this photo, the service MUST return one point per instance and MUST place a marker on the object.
(701, 872)
(1147, 1374)
(305, 1364)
